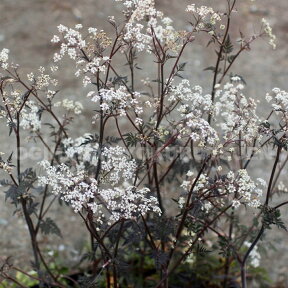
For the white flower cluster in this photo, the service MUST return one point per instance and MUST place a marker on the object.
(135, 35)
(238, 184)
(200, 130)
(85, 152)
(13, 100)
(194, 105)
(181, 202)
(126, 203)
(245, 189)
(281, 187)
(268, 31)
(4, 56)
(71, 106)
(201, 185)
(279, 103)
(238, 113)
(205, 15)
(5, 166)
(193, 96)
(142, 9)
(30, 116)
(144, 21)
(83, 192)
(167, 34)
(43, 80)
(117, 101)
(71, 188)
(72, 40)
(81, 50)
(117, 166)
(255, 256)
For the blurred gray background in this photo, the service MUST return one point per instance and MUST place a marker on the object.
(26, 27)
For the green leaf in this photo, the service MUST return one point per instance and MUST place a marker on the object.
(160, 258)
(237, 75)
(201, 250)
(32, 207)
(178, 75)
(9, 160)
(27, 178)
(131, 140)
(26, 280)
(272, 216)
(210, 68)
(48, 226)
(228, 46)
(212, 40)
(265, 124)
(225, 246)
(168, 56)
(181, 66)
(13, 194)
(11, 126)
(231, 58)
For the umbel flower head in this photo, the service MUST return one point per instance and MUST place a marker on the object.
(83, 192)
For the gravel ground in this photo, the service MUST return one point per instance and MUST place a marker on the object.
(26, 29)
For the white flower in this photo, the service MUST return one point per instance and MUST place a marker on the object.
(167, 21)
(30, 117)
(30, 76)
(206, 14)
(4, 56)
(83, 192)
(50, 94)
(85, 153)
(279, 104)
(181, 202)
(118, 101)
(78, 26)
(54, 68)
(92, 30)
(269, 33)
(254, 256)
(55, 39)
(248, 191)
(236, 203)
(71, 106)
(185, 184)
(189, 173)
(238, 112)
(138, 121)
(117, 165)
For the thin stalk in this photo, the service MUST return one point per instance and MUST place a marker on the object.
(24, 201)
(186, 210)
(188, 251)
(260, 233)
(227, 260)
(219, 54)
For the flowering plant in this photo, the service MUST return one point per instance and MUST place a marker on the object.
(165, 172)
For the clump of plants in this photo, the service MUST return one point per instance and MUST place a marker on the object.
(162, 182)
